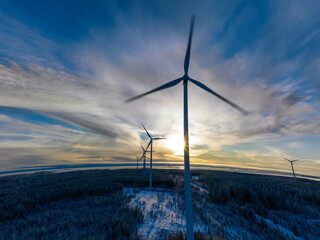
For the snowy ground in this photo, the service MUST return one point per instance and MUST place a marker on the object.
(163, 212)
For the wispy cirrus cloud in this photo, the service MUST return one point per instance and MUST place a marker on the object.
(250, 53)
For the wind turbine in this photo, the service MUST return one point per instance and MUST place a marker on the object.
(144, 159)
(292, 161)
(185, 78)
(150, 144)
(137, 161)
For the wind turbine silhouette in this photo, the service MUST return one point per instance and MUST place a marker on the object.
(185, 78)
(291, 162)
(137, 160)
(150, 144)
(144, 159)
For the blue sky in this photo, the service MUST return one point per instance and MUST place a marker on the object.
(67, 67)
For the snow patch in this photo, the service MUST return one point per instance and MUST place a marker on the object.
(163, 212)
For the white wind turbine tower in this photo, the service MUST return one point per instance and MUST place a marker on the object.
(150, 144)
(185, 79)
(291, 162)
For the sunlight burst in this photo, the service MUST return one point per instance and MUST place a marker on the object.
(175, 143)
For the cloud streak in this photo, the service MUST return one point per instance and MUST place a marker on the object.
(272, 72)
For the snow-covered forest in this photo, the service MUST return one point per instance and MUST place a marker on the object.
(116, 204)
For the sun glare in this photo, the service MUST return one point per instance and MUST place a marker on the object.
(175, 143)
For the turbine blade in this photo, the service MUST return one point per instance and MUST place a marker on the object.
(199, 84)
(187, 57)
(164, 86)
(296, 160)
(148, 146)
(141, 146)
(146, 131)
(286, 158)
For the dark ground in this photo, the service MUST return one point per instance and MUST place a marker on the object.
(91, 204)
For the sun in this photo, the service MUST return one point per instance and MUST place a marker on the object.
(175, 143)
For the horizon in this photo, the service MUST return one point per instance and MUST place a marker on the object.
(67, 68)
(156, 165)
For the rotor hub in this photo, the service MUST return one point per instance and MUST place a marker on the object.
(185, 78)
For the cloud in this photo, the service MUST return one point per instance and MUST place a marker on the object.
(274, 75)
(87, 122)
(295, 145)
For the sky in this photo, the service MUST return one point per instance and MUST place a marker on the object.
(66, 68)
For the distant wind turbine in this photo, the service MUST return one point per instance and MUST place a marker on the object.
(291, 162)
(144, 158)
(137, 161)
(150, 144)
(185, 78)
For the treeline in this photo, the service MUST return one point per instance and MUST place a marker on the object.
(78, 204)
(256, 199)
(270, 192)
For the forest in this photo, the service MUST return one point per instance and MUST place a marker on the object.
(91, 204)
(267, 206)
(71, 205)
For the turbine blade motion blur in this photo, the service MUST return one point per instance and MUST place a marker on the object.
(201, 85)
(164, 86)
(187, 57)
